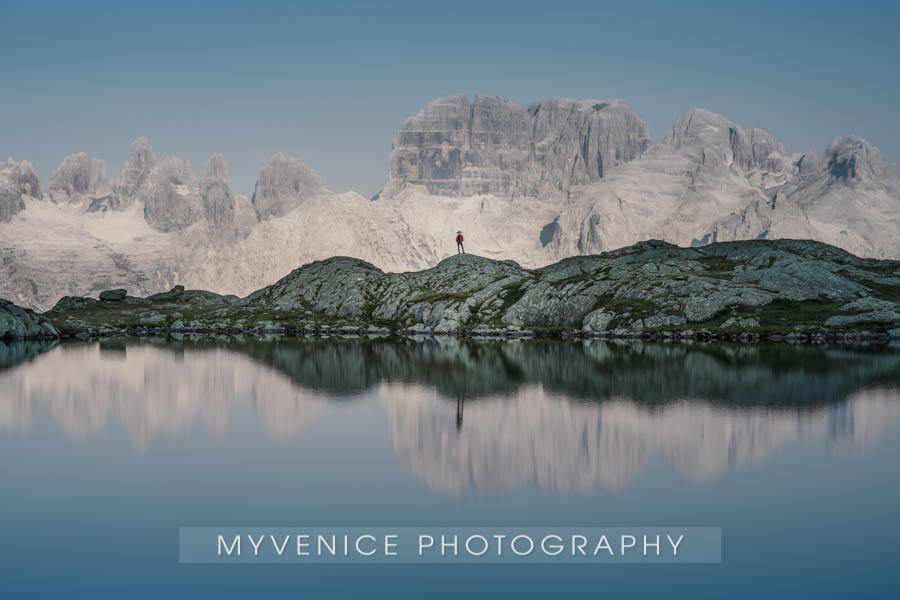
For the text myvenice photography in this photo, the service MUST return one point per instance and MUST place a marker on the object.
(437, 545)
(416, 299)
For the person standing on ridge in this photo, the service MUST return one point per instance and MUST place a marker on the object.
(459, 243)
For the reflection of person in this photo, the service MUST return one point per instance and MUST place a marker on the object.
(459, 243)
(459, 413)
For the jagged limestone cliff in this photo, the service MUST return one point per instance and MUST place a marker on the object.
(490, 145)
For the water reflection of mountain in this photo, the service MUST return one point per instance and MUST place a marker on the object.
(478, 415)
(151, 390)
(535, 438)
(752, 374)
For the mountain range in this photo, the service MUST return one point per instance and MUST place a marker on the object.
(532, 183)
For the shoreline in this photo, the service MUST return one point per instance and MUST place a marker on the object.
(496, 334)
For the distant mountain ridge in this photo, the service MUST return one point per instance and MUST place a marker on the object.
(533, 183)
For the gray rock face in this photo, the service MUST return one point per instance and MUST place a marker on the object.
(218, 199)
(17, 322)
(854, 158)
(134, 175)
(79, 177)
(455, 146)
(172, 196)
(16, 181)
(724, 143)
(283, 184)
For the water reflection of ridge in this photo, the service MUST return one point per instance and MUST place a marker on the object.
(17, 352)
(651, 373)
(593, 370)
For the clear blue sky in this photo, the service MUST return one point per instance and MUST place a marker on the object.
(329, 82)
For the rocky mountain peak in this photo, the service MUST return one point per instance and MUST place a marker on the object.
(853, 158)
(134, 175)
(283, 184)
(23, 175)
(215, 189)
(79, 177)
(216, 168)
(490, 145)
(171, 196)
(695, 127)
(173, 170)
(17, 180)
(723, 143)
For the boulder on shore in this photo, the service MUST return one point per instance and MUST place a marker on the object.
(113, 295)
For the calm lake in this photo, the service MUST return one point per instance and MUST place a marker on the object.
(107, 448)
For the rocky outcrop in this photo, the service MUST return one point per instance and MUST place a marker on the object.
(134, 175)
(79, 178)
(752, 288)
(16, 323)
(489, 145)
(17, 180)
(172, 196)
(113, 295)
(283, 185)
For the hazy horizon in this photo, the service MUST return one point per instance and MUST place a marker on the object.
(331, 84)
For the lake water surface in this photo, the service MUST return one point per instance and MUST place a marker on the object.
(107, 448)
